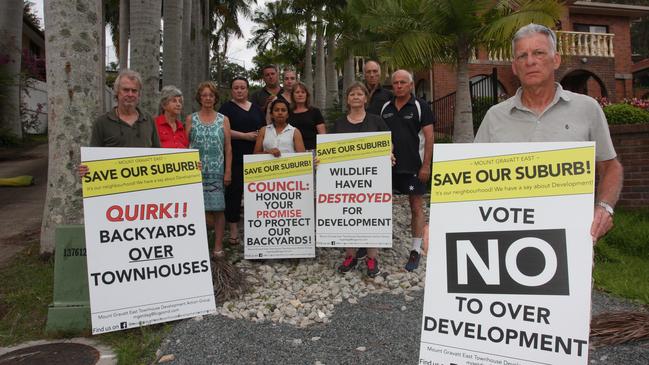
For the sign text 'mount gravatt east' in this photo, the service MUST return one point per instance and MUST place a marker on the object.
(508, 275)
(146, 239)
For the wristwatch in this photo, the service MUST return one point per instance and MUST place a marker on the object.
(607, 207)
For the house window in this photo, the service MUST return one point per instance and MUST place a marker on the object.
(590, 28)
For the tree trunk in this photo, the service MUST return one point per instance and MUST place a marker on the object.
(11, 25)
(308, 64)
(222, 58)
(331, 72)
(187, 87)
(124, 24)
(75, 85)
(172, 46)
(145, 50)
(463, 118)
(349, 76)
(320, 86)
(205, 41)
(195, 50)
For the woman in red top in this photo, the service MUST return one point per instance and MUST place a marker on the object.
(170, 130)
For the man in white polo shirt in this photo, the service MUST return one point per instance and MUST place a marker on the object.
(541, 111)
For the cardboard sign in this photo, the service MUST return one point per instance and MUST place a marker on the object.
(278, 206)
(508, 276)
(146, 239)
(354, 199)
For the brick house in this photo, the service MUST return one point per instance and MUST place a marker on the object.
(594, 42)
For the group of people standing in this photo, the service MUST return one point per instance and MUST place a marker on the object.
(293, 125)
(280, 119)
(276, 119)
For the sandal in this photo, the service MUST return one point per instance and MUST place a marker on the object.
(233, 241)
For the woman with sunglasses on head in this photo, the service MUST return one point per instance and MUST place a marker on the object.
(209, 132)
(306, 118)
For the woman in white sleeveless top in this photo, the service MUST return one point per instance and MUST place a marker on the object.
(279, 137)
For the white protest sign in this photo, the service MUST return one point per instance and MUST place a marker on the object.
(278, 206)
(354, 199)
(508, 276)
(146, 240)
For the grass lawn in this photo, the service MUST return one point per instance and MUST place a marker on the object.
(26, 293)
(622, 257)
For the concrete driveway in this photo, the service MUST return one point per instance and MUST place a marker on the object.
(22, 207)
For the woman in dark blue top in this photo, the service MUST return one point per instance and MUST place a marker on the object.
(246, 119)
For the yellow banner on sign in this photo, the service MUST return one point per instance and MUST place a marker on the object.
(123, 175)
(354, 149)
(277, 168)
(534, 174)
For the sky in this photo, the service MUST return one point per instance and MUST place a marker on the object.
(238, 51)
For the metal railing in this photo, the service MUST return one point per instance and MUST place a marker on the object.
(484, 94)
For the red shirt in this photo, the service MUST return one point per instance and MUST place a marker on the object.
(169, 138)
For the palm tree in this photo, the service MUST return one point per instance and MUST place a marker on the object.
(331, 73)
(172, 43)
(145, 49)
(11, 25)
(304, 12)
(418, 33)
(187, 87)
(75, 87)
(227, 22)
(274, 24)
(319, 82)
(124, 25)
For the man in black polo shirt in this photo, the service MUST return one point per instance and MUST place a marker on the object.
(269, 92)
(406, 116)
(378, 95)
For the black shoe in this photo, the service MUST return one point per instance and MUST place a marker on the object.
(348, 265)
(372, 267)
(413, 261)
(361, 253)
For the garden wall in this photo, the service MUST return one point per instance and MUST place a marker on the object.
(632, 145)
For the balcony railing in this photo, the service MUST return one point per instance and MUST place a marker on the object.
(585, 44)
(581, 44)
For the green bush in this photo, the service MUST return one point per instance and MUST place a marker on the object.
(625, 114)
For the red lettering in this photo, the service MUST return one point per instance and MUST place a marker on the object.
(112, 210)
(132, 212)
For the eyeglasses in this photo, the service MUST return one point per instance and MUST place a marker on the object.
(536, 54)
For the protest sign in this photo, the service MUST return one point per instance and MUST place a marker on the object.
(278, 206)
(508, 276)
(354, 199)
(146, 239)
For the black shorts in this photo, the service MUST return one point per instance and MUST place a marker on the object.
(408, 184)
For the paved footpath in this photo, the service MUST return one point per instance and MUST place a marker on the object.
(22, 207)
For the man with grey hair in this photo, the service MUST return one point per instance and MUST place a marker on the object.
(125, 125)
(407, 116)
(378, 94)
(541, 111)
